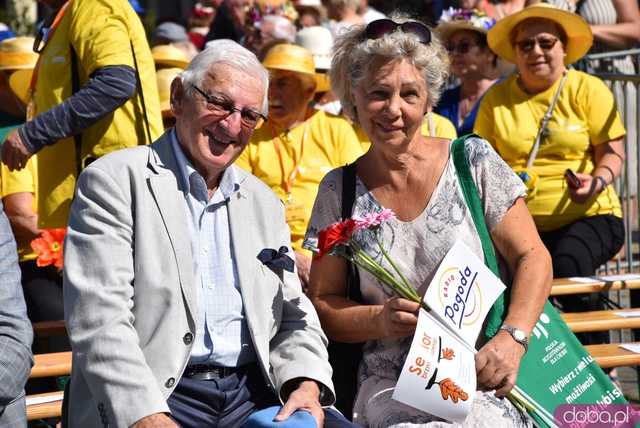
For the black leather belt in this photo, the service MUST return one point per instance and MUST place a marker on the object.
(210, 371)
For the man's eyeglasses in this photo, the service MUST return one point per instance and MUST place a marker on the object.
(545, 43)
(462, 48)
(381, 27)
(223, 107)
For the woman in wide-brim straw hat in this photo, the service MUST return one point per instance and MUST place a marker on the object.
(580, 221)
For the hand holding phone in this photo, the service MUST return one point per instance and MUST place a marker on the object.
(572, 179)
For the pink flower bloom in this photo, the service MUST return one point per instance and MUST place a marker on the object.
(373, 219)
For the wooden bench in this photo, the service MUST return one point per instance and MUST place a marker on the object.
(564, 286)
(49, 328)
(48, 365)
(612, 355)
(581, 322)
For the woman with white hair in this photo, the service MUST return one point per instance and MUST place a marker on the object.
(388, 74)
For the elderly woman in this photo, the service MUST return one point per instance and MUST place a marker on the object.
(464, 33)
(388, 75)
(579, 218)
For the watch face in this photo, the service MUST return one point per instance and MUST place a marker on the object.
(519, 334)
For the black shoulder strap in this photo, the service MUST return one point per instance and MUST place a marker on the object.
(348, 200)
(139, 87)
(75, 87)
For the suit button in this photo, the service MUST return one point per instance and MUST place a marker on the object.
(170, 382)
(188, 338)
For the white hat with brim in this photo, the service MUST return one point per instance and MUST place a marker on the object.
(579, 35)
(446, 29)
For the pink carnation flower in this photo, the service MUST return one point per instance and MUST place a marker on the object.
(373, 219)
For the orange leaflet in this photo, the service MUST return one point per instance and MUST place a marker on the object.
(447, 354)
(448, 389)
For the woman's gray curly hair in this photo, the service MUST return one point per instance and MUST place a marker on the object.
(353, 55)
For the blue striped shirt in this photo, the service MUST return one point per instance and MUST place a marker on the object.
(222, 335)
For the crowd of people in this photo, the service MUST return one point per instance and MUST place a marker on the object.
(192, 290)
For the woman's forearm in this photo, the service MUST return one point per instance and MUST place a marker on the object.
(530, 290)
(609, 158)
(346, 321)
(620, 36)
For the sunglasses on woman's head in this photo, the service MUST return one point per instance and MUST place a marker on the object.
(545, 43)
(382, 27)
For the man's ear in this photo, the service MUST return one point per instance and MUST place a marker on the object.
(178, 96)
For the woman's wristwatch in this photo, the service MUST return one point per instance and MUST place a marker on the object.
(518, 335)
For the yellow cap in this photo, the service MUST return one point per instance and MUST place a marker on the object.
(164, 77)
(323, 84)
(290, 58)
(169, 55)
(17, 53)
(19, 82)
(579, 35)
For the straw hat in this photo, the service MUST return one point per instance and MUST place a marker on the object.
(579, 36)
(453, 20)
(164, 77)
(17, 53)
(169, 55)
(290, 58)
(19, 82)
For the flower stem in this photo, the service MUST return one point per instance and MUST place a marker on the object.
(395, 267)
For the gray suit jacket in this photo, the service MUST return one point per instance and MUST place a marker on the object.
(16, 334)
(129, 288)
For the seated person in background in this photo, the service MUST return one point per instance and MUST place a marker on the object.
(165, 77)
(15, 333)
(579, 222)
(175, 315)
(464, 34)
(387, 79)
(298, 145)
(42, 286)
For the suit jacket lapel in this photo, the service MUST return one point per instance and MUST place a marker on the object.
(168, 194)
(239, 220)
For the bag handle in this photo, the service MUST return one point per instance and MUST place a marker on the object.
(474, 204)
(139, 87)
(348, 200)
(75, 87)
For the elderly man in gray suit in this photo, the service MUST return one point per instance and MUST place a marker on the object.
(15, 333)
(181, 300)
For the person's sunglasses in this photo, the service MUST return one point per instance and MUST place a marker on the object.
(462, 48)
(223, 107)
(545, 43)
(382, 27)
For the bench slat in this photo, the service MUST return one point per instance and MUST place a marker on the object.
(54, 364)
(51, 409)
(580, 322)
(612, 355)
(564, 286)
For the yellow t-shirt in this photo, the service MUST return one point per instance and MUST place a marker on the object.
(442, 127)
(584, 116)
(24, 180)
(101, 33)
(330, 143)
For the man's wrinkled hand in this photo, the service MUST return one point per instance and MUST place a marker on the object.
(305, 397)
(14, 153)
(497, 363)
(157, 420)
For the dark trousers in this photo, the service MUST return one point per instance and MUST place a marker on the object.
(578, 249)
(227, 402)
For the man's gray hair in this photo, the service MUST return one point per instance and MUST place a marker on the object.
(230, 53)
(282, 27)
(354, 53)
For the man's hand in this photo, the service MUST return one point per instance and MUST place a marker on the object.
(497, 363)
(305, 397)
(303, 263)
(14, 153)
(157, 420)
